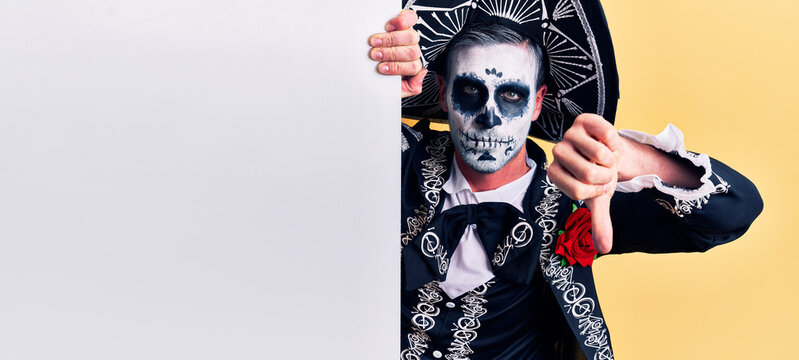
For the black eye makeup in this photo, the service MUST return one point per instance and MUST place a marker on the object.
(512, 99)
(469, 94)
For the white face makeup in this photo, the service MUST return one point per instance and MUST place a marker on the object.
(490, 96)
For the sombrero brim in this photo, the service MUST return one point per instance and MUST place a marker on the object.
(574, 34)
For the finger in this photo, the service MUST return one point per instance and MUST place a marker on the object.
(601, 130)
(404, 20)
(569, 185)
(397, 53)
(407, 37)
(400, 68)
(591, 149)
(582, 169)
(413, 85)
(601, 225)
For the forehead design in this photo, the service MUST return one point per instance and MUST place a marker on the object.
(495, 62)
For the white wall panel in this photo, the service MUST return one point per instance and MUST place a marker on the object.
(197, 180)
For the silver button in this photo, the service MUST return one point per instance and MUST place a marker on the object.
(450, 304)
(436, 354)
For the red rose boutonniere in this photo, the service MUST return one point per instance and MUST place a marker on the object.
(575, 243)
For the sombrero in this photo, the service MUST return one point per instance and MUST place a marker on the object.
(574, 35)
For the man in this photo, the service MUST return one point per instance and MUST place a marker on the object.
(483, 274)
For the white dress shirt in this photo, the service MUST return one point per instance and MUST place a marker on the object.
(469, 266)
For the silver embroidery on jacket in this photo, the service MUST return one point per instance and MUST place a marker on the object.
(577, 305)
(416, 135)
(547, 209)
(417, 345)
(685, 207)
(580, 307)
(432, 171)
(415, 224)
(432, 248)
(519, 237)
(466, 326)
(423, 320)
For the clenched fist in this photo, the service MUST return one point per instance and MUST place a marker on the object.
(585, 167)
(592, 158)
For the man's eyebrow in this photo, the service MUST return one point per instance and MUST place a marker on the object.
(517, 86)
(517, 82)
(470, 75)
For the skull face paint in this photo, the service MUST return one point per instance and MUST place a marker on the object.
(490, 100)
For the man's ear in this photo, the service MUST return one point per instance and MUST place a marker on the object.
(442, 91)
(539, 99)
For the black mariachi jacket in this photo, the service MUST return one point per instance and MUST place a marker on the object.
(496, 320)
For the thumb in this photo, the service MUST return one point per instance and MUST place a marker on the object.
(412, 85)
(601, 226)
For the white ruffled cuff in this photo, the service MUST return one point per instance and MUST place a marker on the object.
(669, 140)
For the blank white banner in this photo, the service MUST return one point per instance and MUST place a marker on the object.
(197, 180)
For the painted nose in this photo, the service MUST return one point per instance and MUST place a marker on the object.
(488, 119)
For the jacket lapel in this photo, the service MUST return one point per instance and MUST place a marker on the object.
(424, 255)
(573, 286)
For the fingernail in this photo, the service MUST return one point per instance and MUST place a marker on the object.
(384, 69)
(606, 188)
(390, 27)
(378, 55)
(377, 42)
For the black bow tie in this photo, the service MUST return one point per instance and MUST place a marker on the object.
(501, 228)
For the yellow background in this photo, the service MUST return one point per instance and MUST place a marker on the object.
(725, 73)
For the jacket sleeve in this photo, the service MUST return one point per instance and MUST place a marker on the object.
(654, 217)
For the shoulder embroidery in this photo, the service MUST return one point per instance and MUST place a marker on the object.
(685, 207)
(416, 135)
